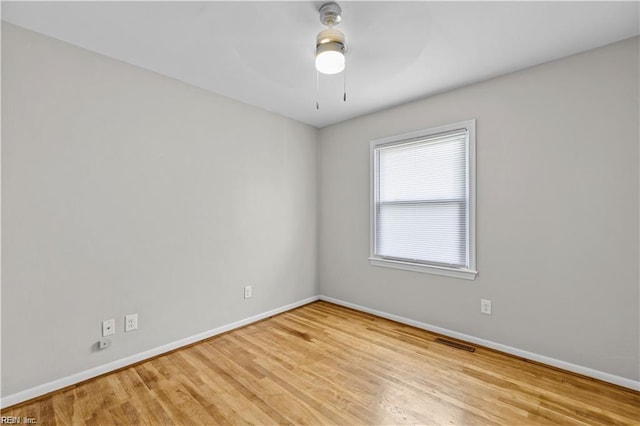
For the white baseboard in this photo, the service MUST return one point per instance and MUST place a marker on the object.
(63, 382)
(585, 371)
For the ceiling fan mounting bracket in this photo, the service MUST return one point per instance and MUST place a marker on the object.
(330, 14)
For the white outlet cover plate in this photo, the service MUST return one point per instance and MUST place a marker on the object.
(485, 306)
(131, 322)
(248, 292)
(108, 327)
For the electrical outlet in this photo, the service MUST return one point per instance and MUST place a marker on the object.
(108, 327)
(485, 306)
(248, 292)
(130, 322)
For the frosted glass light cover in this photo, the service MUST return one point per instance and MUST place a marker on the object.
(330, 62)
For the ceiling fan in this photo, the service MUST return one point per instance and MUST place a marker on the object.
(330, 47)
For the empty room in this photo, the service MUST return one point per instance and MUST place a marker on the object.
(320, 213)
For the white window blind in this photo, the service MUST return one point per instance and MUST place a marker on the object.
(421, 194)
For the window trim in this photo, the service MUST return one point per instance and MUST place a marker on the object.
(465, 273)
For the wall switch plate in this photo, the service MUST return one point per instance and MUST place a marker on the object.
(248, 292)
(130, 322)
(485, 306)
(108, 327)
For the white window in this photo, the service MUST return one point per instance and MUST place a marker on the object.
(423, 201)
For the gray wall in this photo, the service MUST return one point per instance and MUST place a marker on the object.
(557, 212)
(128, 192)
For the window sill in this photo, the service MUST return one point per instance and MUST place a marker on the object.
(466, 274)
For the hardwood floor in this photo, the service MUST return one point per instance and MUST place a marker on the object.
(324, 364)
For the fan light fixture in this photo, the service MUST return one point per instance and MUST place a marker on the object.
(330, 51)
(330, 46)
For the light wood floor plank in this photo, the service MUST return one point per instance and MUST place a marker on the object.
(323, 364)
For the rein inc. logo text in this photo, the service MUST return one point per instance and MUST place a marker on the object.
(18, 420)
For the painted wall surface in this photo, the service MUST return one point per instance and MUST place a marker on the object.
(128, 192)
(557, 212)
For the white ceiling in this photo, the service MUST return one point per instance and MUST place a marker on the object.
(262, 53)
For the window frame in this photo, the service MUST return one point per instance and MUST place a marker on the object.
(375, 260)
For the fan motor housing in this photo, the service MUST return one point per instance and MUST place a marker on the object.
(330, 35)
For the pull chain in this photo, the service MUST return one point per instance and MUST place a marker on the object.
(317, 89)
(344, 81)
(344, 87)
